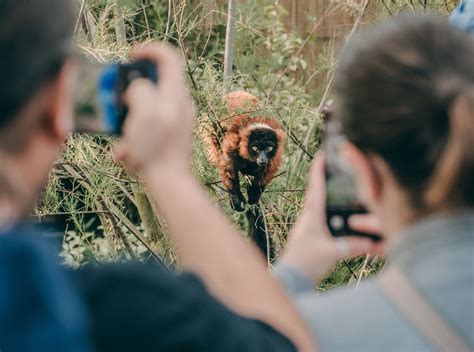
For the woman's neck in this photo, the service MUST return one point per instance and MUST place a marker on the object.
(395, 213)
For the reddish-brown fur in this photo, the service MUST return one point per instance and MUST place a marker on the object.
(233, 150)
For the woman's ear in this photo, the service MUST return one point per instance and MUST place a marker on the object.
(366, 174)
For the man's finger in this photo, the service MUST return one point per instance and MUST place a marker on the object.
(169, 65)
(137, 91)
(118, 153)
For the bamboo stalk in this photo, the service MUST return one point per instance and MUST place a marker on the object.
(148, 216)
(119, 24)
(229, 40)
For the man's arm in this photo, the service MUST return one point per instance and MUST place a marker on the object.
(232, 269)
(156, 143)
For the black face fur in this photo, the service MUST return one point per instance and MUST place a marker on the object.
(263, 144)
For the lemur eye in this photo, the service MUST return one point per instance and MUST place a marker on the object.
(254, 149)
(270, 149)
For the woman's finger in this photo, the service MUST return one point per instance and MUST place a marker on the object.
(357, 246)
(365, 223)
(315, 202)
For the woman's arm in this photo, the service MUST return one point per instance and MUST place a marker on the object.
(311, 251)
(156, 143)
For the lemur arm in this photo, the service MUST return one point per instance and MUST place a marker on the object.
(260, 182)
(230, 179)
(256, 188)
(228, 169)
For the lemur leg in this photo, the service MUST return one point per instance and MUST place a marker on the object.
(231, 181)
(256, 189)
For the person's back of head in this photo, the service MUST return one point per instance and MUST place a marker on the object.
(35, 40)
(35, 91)
(405, 92)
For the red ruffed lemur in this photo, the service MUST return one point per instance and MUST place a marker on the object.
(252, 145)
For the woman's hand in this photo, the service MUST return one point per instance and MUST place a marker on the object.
(311, 248)
(157, 131)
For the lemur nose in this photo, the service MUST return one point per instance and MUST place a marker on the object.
(262, 159)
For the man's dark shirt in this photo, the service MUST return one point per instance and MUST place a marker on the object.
(124, 307)
(39, 310)
(136, 307)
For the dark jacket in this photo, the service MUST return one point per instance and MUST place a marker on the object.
(39, 310)
(136, 307)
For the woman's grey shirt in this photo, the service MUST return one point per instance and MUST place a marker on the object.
(437, 257)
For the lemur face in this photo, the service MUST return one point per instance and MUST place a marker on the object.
(262, 145)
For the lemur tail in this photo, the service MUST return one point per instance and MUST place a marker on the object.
(214, 148)
(257, 232)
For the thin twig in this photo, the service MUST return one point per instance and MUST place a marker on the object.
(122, 237)
(146, 19)
(387, 8)
(79, 16)
(362, 269)
(350, 268)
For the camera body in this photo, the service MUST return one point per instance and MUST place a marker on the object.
(113, 82)
(99, 107)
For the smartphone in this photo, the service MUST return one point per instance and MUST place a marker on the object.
(342, 200)
(99, 105)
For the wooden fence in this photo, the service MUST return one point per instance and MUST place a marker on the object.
(322, 20)
(303, 16)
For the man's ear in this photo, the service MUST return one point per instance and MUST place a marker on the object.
(365, 171)
(60, 107)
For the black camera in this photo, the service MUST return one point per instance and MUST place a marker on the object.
(99, 105)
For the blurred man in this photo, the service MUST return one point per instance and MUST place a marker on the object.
(128, 307)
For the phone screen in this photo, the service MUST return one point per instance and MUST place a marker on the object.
(341, 189)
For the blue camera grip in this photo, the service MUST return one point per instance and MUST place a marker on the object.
(113, 82)
(108, 98)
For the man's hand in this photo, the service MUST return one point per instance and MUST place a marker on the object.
(157, 131)
(311, 248)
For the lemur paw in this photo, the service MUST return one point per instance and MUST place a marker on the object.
(253, 199)
(237, 202)
(254, 195)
